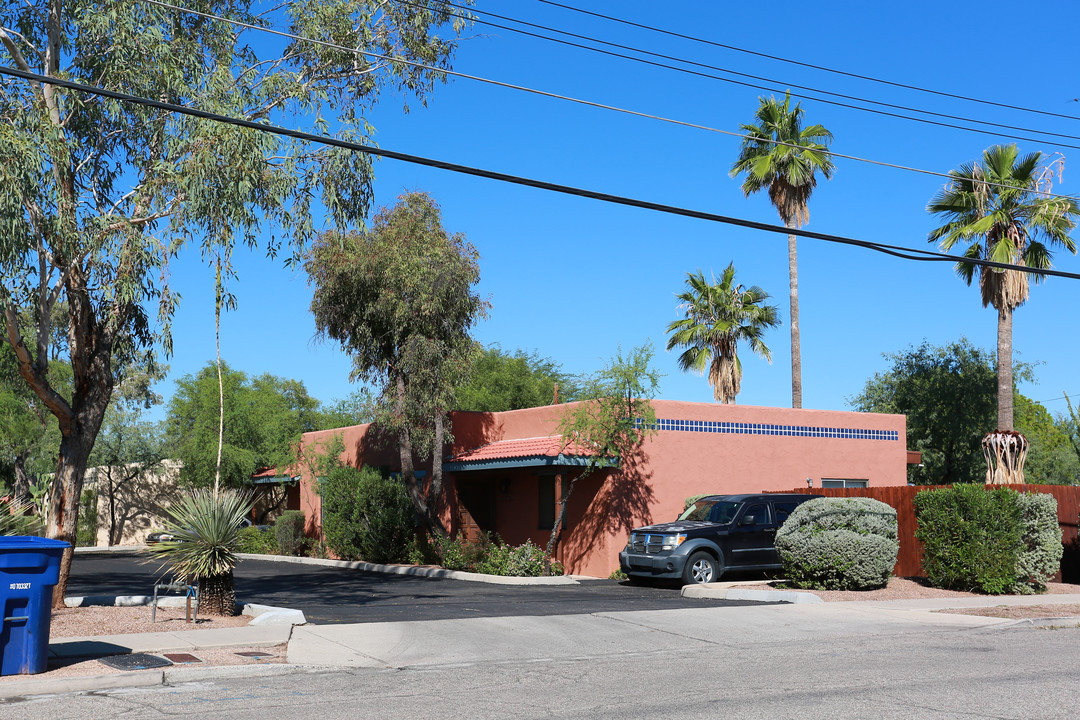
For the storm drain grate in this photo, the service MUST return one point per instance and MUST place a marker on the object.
(254, 654)
(182, 658)
(135, 661)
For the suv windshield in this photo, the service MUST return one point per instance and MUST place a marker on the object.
(717, 511)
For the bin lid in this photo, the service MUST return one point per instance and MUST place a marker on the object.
(30, 542)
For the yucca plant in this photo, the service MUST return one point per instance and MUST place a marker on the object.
(18, 518)
(207, 531)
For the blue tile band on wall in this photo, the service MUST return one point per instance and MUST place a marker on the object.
(743, 428)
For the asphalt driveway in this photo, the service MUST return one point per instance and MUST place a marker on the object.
(340, 595)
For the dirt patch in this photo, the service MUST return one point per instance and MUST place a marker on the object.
(100, 620)
(1021, 612)
(913, 589)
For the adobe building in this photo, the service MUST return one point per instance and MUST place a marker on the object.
(507, 472)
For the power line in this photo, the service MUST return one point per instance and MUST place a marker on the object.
(894, 250)
(567, 98)
(741, 74)
(809, 65)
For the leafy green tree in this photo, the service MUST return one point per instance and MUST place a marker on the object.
(29, 433)
(718, 316)
(999, 209)
(1051, 459)
(97, 196)
(780, 155)
(399, 300)
(610, 422)
(947, 394)
(264, 418)
(500, 381)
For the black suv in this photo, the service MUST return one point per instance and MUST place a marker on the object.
(716, 533)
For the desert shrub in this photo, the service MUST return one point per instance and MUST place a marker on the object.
(491, 556)
(86, 532)
(366, 516)
(1041, 549)
(839, 544)
(972, 537)
(289, 533)
(257, 540)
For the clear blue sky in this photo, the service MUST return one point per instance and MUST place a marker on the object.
(573, 278)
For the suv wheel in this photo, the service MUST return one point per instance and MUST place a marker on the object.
(701, 568)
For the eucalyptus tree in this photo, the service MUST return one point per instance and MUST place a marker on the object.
(999, 209)
(718, 316)
(779, 154)
(97, 196)
(399, 299)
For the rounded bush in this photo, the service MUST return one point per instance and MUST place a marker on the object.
(839, 544)
(366, 516)
(1041, 551)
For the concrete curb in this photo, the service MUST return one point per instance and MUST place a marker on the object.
(141, 678)
(417, 571)
(724, 591)
(414, 570)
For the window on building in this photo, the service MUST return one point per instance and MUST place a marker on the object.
(549, 508)
(844, 483)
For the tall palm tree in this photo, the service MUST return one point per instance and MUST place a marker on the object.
(1000, 207)
(778, 153)
(719, 316)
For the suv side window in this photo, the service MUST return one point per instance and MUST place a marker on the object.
(783, 509)
(760, 511)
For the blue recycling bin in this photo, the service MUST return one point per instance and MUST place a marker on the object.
(29, 570)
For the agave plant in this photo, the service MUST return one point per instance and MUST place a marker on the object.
(206, 528)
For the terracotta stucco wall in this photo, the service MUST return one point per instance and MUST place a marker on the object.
(680, 460)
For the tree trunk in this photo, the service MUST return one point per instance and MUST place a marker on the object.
(560, 519)
(64, 500)
(436, 488)
(405, 455)
(217, 595)
(22, 480)
(796, 347)
(1004, 370)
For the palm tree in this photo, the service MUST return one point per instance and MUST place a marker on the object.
(1000, 207)
(718, 317)
(779, 154)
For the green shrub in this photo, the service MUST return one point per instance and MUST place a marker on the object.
(972, 537)
(258, 541)
(839, 544)
(289, 533)
(491, 556)
(87, 530)
(1041, 548)
(366, 516)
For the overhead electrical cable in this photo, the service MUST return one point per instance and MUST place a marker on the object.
(567, 98)
(737, 73)
(812, 66)
(894, 250)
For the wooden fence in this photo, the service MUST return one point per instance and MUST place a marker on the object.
(902, 498)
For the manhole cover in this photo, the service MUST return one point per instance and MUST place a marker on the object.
(182, 658)
(135, 661)
(254, 654)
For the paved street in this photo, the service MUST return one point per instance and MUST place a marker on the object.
(336, 595)
(831, 672)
